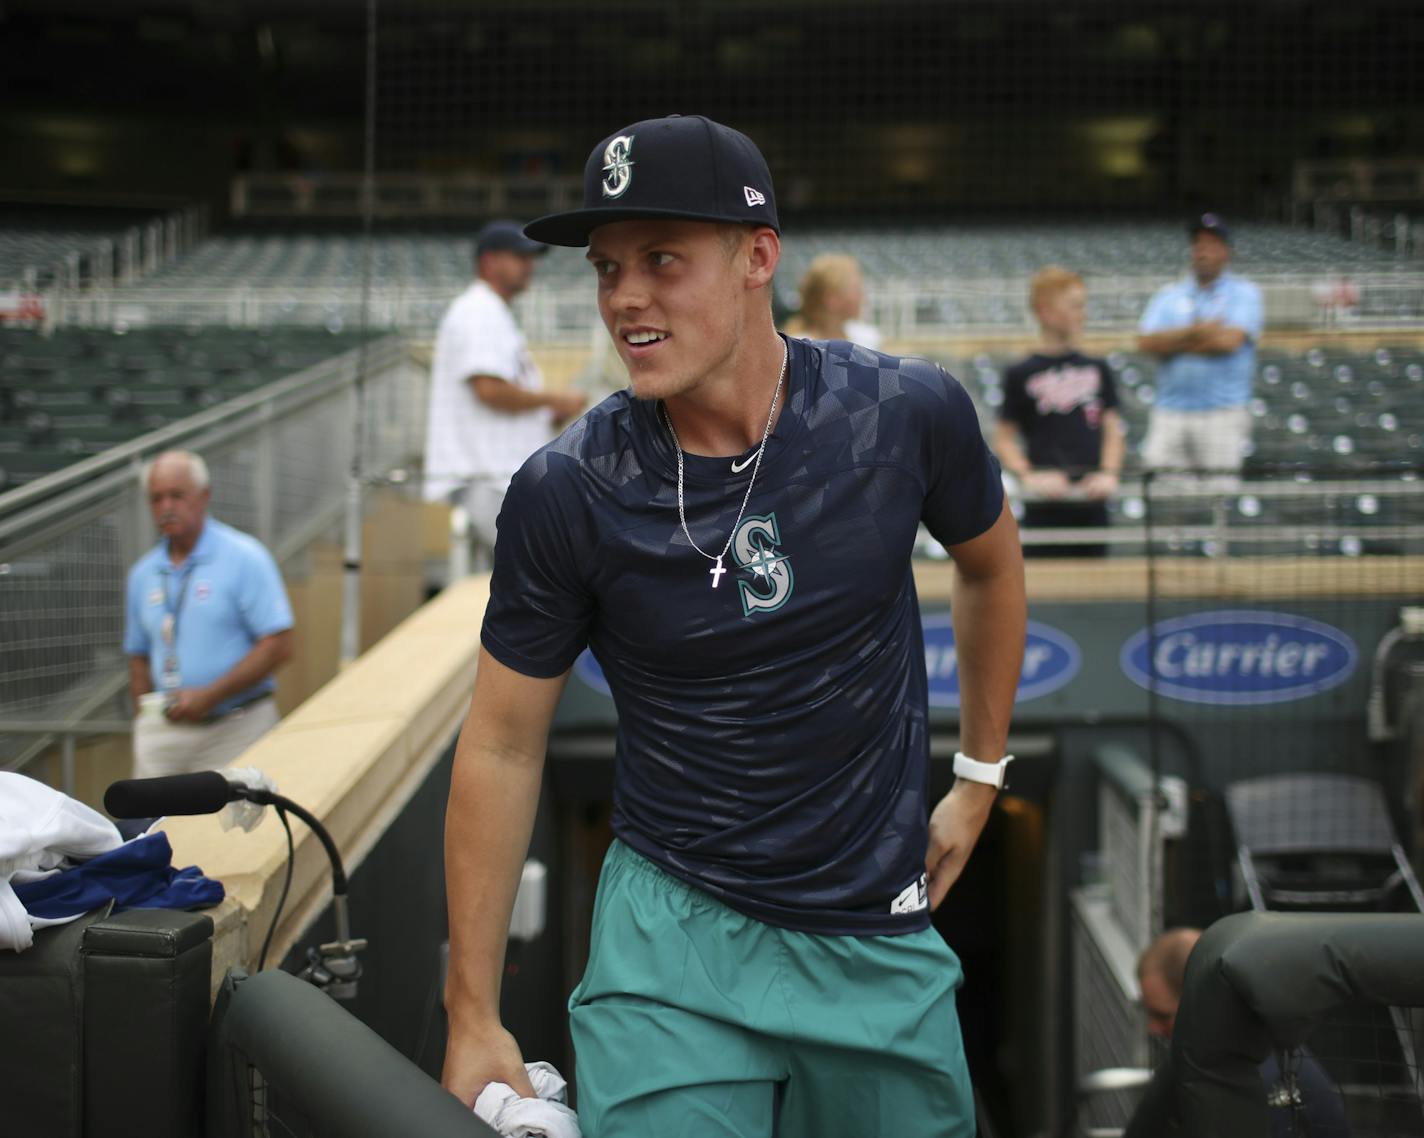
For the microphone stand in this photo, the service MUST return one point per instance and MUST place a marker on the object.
(332, 967)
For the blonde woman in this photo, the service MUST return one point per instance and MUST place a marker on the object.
(832, 294)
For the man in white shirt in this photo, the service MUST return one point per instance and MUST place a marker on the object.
(488, 407)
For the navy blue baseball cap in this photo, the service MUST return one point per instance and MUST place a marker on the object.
(506, 237)
(1210, 223)
(682, 166)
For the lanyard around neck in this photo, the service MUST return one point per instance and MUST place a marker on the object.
(173, 607)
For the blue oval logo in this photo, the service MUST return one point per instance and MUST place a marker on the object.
(1051, 660)
(590, 671)
(1241, 657)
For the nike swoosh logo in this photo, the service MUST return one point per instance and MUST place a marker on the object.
(737, 468)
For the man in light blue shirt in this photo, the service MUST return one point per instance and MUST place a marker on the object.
(207, 623)
(1203, 330)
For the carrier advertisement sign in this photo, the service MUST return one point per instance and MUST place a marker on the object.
(1241, 657)
(1051, 660)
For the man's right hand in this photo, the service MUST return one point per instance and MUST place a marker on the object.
(1051, 484)
(566, 405)
(476, 1057)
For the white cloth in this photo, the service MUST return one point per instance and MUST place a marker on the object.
(547, 1116)
(41, 830)
(867, 335)
(240, 813)
(466, 440)
(163, 747)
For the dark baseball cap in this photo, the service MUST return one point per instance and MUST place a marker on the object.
(1210, 223)
(682, 166)
(506, 237)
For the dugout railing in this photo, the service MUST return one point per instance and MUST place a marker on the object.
(1304, 570)
(280, 460)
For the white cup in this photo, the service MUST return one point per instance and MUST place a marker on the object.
(151, 705)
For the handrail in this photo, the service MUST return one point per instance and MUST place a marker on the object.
(315, 380)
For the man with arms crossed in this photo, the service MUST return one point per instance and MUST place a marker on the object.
(732, 537)
(1203, 330)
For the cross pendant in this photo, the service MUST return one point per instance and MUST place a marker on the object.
(716, 572)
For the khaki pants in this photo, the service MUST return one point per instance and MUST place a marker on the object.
(1209, 440)
(161, 747)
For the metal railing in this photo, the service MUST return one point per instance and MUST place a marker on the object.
(65, 266)
(353, 195)
(1114, 918)
(565, 312)
(280, 460)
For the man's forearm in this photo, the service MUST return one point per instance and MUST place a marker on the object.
(1113, 445)
(1217, 340)
(1167, 343)
(262, 659)
(1011, 454)
(488, 824)
(502, 395)
(990, 615)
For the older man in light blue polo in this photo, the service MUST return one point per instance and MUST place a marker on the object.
(208, 622)
(1203, 330)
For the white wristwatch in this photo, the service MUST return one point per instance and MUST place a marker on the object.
(991, 774)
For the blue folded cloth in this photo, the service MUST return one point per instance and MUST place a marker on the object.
(137, 875)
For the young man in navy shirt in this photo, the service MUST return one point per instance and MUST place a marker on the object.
(732, 538)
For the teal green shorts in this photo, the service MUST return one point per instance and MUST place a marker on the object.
(695, 1021)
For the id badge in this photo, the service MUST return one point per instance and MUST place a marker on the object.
(171, 678)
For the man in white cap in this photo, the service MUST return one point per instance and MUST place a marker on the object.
(489, 410)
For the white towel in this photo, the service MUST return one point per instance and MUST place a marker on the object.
(41, 830)
(500, 1106)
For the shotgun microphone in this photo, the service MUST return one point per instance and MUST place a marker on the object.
(201, 792)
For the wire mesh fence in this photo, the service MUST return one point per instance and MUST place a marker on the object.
(279, 460)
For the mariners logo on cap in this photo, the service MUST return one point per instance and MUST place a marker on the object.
(618, 166)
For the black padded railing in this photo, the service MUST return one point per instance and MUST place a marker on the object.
(1258, 982)
(285, 1056)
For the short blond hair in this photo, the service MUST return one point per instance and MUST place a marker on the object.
(1048, 282)
(825, 276)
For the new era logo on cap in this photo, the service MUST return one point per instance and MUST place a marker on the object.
(754, 197)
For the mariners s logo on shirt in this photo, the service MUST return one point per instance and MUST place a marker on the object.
(769, 581)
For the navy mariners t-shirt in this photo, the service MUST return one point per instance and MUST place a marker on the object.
(772, 738)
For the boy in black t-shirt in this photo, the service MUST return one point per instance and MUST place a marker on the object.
(1059, 431)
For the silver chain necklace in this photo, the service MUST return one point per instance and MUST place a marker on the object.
(718, 569)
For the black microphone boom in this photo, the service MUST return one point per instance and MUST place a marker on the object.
(202, 792)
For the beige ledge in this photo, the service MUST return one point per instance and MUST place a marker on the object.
(1223, 579)
(352, 754)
